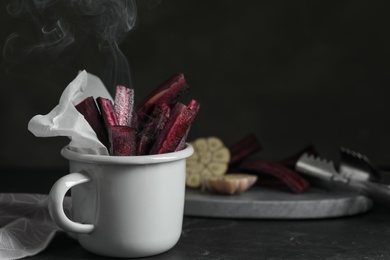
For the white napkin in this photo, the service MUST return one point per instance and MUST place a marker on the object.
(26, 226)
(65, 120)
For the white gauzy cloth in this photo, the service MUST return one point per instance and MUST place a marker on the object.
(65, 120)
(26, 227)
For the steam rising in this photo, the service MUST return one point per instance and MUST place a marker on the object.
(57, 26)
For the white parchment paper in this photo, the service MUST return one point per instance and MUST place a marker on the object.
(65, 120)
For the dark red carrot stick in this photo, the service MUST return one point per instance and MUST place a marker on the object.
(107, 111)
(168, 92)
(291, 178)
(124, 105)
(193, 105)
(123, 140)
(244, 148)
(153, 127)
(90, 111)
(176, 128)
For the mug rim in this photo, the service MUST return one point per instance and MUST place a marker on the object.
(71, 155)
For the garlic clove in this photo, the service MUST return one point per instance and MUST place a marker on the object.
(231, 184)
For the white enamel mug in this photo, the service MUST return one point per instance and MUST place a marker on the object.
(123, 206)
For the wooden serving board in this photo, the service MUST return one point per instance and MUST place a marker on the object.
(269, 203)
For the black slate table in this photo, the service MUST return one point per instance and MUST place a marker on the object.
(364, 236)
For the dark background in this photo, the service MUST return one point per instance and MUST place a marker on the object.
(291, 72)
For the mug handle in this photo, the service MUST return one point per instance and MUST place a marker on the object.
(56, 199)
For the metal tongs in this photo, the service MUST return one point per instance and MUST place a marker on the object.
(355, 173)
